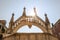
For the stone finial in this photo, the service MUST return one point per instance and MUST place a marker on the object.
(24, 12)
(46, 19)
(12, 14)
(35, 11)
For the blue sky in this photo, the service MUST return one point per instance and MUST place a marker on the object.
(51, 7)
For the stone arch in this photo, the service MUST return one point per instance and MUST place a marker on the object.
(27, 23)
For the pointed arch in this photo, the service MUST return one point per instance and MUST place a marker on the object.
(26, 23)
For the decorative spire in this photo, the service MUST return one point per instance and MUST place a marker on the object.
(12, 18)
(11, 23)
(24, 12)
(46, 19)
(35, 11)
(47, 23)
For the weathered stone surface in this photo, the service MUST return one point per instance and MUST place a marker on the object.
(31, 36)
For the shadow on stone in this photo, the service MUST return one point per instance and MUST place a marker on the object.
(1, 37)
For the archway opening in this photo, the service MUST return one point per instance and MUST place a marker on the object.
(26, 29)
